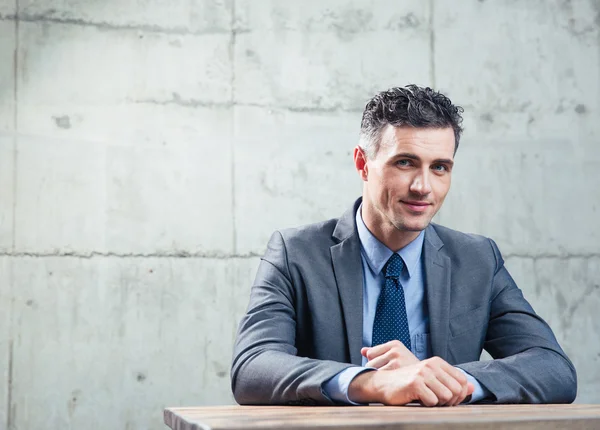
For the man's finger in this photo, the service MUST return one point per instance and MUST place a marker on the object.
(462, 396)
(427, 397)
(454, 372)
(454, 379)
(388, 366)
(379, 362)
(455, 387)
(442, 392)
(378, 350)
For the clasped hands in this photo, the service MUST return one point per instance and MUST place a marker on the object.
(402, 378)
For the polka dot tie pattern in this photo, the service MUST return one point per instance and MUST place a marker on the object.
(390, 317)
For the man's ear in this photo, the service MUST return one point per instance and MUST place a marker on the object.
(360, 163)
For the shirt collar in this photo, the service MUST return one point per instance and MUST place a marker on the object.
(377, 254)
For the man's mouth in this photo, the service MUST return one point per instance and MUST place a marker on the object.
(416, 205)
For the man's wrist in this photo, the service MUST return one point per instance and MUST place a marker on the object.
(363, 388)
(336, 388)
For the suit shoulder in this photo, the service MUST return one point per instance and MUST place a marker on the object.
(462, 243)
(455, 235)
(309, 234)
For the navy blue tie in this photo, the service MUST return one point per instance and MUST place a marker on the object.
(390, 318)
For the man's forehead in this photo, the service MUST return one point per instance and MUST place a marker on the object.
(438, 140)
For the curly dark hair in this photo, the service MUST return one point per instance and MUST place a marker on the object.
(407, 106)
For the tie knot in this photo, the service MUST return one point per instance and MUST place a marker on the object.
(394, 266)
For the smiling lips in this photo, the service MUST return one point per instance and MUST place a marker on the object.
(415, 205)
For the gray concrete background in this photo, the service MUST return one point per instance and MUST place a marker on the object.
(149, 148)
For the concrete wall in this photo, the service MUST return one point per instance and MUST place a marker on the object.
(149, 148)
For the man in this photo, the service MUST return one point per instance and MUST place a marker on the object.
(383, 306)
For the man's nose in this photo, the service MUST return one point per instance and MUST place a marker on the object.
(420, 184)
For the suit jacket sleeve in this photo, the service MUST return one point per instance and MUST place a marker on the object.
(529, 366)
(266, 368)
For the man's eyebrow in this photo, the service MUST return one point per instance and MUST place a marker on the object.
(444, 161)
(416, 157)
(407, 155)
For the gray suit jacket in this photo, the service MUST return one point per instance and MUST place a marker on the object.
(304, 321)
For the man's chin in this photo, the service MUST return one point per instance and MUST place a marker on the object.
(412, 226)
(416, 228)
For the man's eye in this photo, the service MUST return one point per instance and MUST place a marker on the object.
(403, 162)
(440, 168)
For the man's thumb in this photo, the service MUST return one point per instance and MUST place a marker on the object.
(470, 389)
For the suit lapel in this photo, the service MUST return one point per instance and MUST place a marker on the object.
(437, 282)
(347, 267)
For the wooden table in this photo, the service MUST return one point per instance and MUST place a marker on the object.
(495, 417)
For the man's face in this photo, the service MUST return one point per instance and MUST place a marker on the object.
(408, 179)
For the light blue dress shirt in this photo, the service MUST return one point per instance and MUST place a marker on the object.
(374, 256)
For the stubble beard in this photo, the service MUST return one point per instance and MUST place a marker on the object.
(402, 226)
(397, 220)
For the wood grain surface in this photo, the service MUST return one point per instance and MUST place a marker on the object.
(384, 417)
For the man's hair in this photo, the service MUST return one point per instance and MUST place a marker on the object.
(410, 106)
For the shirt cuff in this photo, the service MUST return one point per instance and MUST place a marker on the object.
(480, 392)
(336, 388)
